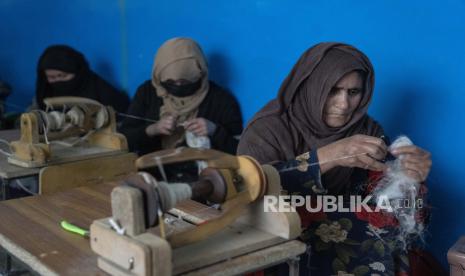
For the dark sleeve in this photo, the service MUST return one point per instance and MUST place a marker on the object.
(134, 129)
(301, 175)
(298, 175)
(260, 144)
(228, 127)
(109, 95)
(121, 101)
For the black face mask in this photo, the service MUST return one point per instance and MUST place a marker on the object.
(65, 87)
(182, 90)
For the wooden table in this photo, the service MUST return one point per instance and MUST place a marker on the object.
(30, 231)
(10, 172)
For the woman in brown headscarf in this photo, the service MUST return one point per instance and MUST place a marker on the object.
(178, 99)
(318, 135)
(322, 108)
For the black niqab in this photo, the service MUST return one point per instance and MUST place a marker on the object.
(85, 83)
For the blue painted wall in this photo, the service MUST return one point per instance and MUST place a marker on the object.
(417, 48)
(27, 28)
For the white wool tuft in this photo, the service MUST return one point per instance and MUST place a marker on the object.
(396, 186)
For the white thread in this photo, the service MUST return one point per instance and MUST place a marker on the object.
(321, 163)
(20, 184)
(161, 169)
(45, 134)
(136, 117)
(47, 108)
(160, 165)
(5, 153)
(9, 147)
(203, 210)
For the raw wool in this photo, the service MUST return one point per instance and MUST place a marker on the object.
(401, 192)
(198, 142)
(61, 121)
(76, 116)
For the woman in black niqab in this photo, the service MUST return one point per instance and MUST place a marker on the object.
(85, 82)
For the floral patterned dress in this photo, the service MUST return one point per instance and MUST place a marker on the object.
(346, 243)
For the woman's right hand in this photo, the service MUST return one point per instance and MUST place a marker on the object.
(360, 151)
(164, 126)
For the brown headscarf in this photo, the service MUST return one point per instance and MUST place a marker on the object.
(293, 123)
(179, 58)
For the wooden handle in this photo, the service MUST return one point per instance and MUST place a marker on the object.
(60, 101)
(214, 158)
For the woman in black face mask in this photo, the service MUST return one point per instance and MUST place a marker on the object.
(182, 88)
(63, 71)
(181, 99)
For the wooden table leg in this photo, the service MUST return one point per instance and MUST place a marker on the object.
(293, 266)
(3, 188)
(6, 266)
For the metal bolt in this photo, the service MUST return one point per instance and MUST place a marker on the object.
(131, 263)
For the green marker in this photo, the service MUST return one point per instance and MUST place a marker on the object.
(73, 228)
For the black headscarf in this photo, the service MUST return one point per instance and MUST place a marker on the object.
(85, 83)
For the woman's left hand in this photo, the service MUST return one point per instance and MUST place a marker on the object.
(416, 161)
(199, 126)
